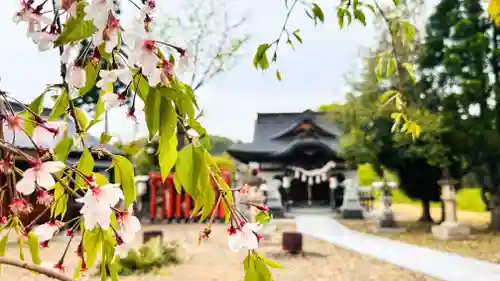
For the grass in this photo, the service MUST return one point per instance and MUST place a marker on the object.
(481, 244)
(468, 199)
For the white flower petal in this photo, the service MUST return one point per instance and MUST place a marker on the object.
(25, 186)
(52, 166)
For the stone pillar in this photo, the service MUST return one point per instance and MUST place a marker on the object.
(449, 229)
(333, 183)
(351, 207)
(274, 199)
(141, 207)
(385, 220)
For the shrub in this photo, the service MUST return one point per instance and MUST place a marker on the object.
(150, 258)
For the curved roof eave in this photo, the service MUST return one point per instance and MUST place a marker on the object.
(300, 142)
(326, 131)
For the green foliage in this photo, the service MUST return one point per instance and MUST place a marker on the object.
(263, 217)
(124, 174)
(33, 245)
(257, 267)
(76, 28)
(149, 258)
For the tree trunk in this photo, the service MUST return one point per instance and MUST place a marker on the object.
(426, 212)
(495, 212)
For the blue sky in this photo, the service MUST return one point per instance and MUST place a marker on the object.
(313, 74)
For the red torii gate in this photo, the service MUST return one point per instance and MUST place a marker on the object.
(175, 207)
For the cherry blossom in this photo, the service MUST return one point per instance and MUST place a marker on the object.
(244, 237)
(49, 133)
(97, 203)
(76, 76)
(109, 36)
(68, 53)
(45, 232)
(44, 40)
(122, 248)
(129, 225)
(20, 206)
(112, 100)
(144, 54)
(14, 122)
(162, 75)
(98, 11)
(110, 77)
(68, 5)
(40, 174)
(184, 63)
(43, 197)
(32, 16)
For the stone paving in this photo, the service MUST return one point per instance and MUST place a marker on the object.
(441, 265)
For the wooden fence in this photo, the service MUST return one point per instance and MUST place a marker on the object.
(166, 204)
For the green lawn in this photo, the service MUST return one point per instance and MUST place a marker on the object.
(468, 199)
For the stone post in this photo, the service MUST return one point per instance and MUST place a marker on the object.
(333, 183)
(449, 229)
(385, 220)
(351, 207)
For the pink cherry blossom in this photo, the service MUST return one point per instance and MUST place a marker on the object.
(109, 36)
(14, 122)
(46, 231)
(32, 16)
(20, 206)
(244, 237)
(110, 77)
(43, 197)
(76, 76)
(98, 11)
(144, 54)
(184, 63)
(44, 40)
(162, 75)
(97, 203)
(49, 133)
(40, 174)
(112, 100)
(68, 5)
(129, 225)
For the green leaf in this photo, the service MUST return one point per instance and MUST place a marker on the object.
(340, 16)
(260, 59)
(99, 110)
(297, 36)
(140, 85)
(278, 75)
(167, 140)
(81, 118)
(33, 246)
(3, 246)
(263, 217)
(318, 13)
(152, 112)
(100, 179)
(92, 242)
(188, 168)
(63, 148)
(91, 71)
(37, 107)
(370, 7)
(76, 28)
(20, 243)
(396, 2)
(61, 105)
(391, 66)
(360, 16)
(61, 199)
(104, 138)
(85, 165)
(270, 262)
(124, 174)
(411, 71)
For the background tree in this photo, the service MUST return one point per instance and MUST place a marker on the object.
(459, 66)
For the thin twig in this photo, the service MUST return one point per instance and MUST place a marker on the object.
(36, 268)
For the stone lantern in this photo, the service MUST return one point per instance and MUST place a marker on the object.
(449, 229)
(386, 219)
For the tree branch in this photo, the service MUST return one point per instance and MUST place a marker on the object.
(36, 268)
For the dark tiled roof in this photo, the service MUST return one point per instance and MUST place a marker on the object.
(271, 139)
(22, 141)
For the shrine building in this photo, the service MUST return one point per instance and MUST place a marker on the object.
(303, 149)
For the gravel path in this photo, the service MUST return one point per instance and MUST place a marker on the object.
(213, 261)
